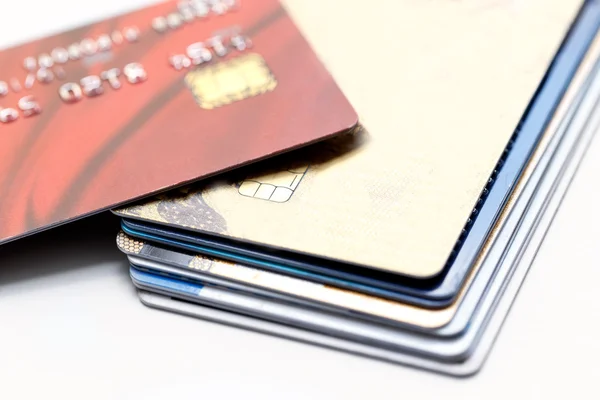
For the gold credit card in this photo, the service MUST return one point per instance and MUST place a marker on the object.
(440, 102)
(358, 303)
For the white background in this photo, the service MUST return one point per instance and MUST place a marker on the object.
(73, 328)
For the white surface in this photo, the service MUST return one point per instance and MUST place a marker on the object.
(73, 328)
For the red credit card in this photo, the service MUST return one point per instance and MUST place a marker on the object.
(121, 109)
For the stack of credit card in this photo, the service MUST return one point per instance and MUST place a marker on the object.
(406, 238)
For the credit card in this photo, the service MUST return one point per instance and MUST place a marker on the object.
(548, 196)
(567, 125)
(216, 315)
(196, 86)
(179, 263)
(401, 200)
(448, 350)
(189, 206)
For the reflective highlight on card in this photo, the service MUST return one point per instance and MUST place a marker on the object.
(195, 86)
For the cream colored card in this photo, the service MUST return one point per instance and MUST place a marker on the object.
(440, 86)
(358, 302)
